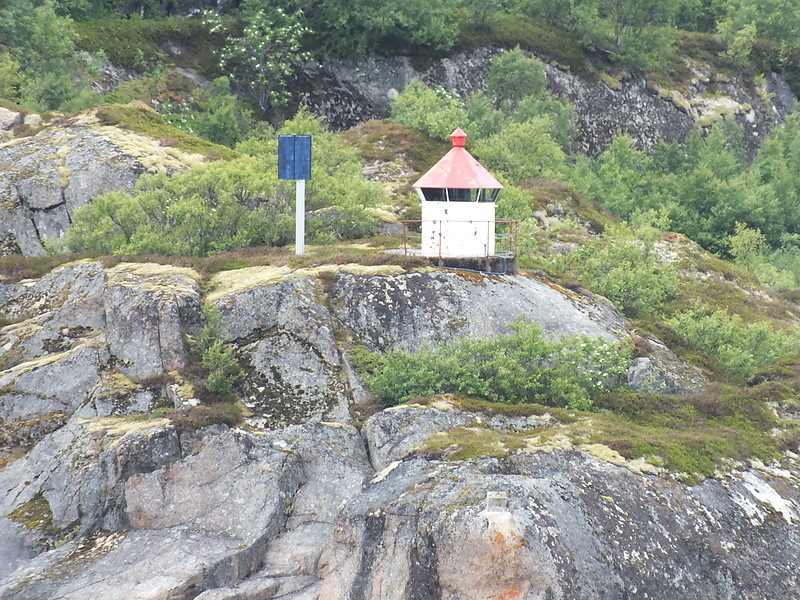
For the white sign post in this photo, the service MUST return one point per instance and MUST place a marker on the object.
(300, 217)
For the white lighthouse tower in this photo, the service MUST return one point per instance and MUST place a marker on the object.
(458, 205)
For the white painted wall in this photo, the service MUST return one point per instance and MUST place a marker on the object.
(458, 229)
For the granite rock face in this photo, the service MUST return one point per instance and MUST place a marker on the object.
(300, 512)
(112, 501)
(561, 524)
(83, 331)
(349, 92)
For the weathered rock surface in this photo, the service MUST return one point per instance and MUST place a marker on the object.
(406, 311)
(83, 331)
(299, 513)
(49, 175)
(109, 504)
(349, 92)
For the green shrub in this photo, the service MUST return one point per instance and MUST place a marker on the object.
(201, 212)
(336, 223)
(433, 111)
(623, 267)
(740, 347)
(220, 118)
(520, 367)
(223, 369)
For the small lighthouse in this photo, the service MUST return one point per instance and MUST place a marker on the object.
(458, 205)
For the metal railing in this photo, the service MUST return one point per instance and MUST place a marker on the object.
(505, 236)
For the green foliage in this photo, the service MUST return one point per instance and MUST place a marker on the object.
(212, 330)
(520, 367)
(359, 27)
(707, 187)
(223, 369)
(637, 32)
(220, 118)
(231, 204)
(521, 129)
(265, 54)
(748, 247)
(522, 150)
(435, 112)
(217, 358)
(704, 186)
(740, 347)
(775, 20)
(140, 119)
(509, 30)
(201, 212)
(336, 178)
(623, 267)
(41, 69)
(739, 42)
(516, 92)
(333, 224)
(136, 43)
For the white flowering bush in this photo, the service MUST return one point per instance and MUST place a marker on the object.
(265, 54)
(520, 367)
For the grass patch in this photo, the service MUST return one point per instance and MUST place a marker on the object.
(472, 404)
(694, 436)
(465, 443)
(385, 140)
(138, 118)
(196, 417)
(543, 38)
(15, 267)
(544, 192)
(698, 452)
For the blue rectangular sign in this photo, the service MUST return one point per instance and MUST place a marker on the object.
(294, 157)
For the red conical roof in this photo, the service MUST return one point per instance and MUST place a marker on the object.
(458, 169)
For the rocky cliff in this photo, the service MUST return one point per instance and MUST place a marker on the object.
(101, 496)
(349, 92)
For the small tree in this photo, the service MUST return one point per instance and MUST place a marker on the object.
(265, 55)
(434, 111)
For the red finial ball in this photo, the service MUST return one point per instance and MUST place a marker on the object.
(459, 138)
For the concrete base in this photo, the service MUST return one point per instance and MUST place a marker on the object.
(486, 264)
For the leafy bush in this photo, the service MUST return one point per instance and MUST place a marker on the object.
(740, 347)
(216, 357)
(225, 205)
(333, 224)
(521, 129)
(201, 212)
(623, 266)
(39, 65)
(750, 251)
(520, 367)
(516, 92)
(433, 111)
(220, 118)
(223, 369)
(523, 150)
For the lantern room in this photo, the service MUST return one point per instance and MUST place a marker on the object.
(458, 205)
